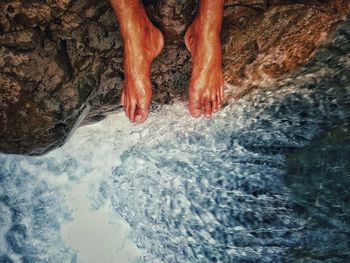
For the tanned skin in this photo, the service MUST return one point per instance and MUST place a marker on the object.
(142, 44)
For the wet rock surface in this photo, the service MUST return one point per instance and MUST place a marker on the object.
(61, 61)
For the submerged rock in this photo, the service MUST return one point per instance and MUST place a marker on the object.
(62, 61)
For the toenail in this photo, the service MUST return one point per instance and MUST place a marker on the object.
(138, 118)
(196, 113)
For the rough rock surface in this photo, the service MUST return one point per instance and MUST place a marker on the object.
(61, 60)
(260, 48)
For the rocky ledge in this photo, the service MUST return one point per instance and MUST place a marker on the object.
(61, 62)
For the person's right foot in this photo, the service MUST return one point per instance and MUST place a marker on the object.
(142, 43)
(206, 94)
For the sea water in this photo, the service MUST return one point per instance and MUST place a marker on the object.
(178, 189)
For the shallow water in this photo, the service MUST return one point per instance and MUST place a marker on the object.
(191, 190)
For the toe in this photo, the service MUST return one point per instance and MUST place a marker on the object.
(207, 108)
(219, 101)
(221, 90)
(142, 111)
(141, 115)
(195, 108)
(214, 104)
(222, 93)
(132, 109)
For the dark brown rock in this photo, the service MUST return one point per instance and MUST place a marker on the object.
(62, 60)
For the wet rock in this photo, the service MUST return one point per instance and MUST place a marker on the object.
(260, 46)
(62, 61)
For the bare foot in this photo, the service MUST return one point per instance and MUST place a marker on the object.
(142, 43)
(206, 94)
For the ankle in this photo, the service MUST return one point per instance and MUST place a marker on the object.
(143, 42)
(135, 28)
(199, 37)
(204, 29)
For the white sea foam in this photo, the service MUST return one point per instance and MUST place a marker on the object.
(70, 178)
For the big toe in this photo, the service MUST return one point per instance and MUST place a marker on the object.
(141, 115)
(195, 108)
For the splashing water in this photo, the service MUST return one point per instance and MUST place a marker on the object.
(191, 190)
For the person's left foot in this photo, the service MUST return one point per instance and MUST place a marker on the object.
(206, 94)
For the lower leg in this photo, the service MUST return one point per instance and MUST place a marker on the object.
(142, 43)
(202, 38)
